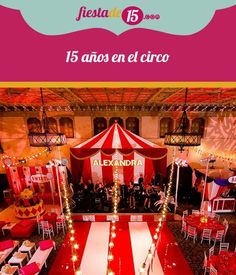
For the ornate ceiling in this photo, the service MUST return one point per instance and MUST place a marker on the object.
(164, 99)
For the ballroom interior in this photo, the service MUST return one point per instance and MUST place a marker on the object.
(185, 141)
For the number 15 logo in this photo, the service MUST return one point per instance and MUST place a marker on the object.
(132, 15)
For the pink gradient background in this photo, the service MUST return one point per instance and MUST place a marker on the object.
(209, 55)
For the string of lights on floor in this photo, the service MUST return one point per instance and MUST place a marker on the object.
(114, 220)
(73, 243)
(155, 238)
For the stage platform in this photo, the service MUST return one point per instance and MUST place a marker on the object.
(8, 214)
(123, 217)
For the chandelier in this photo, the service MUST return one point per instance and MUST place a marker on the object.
(181, 137)
(47, 136)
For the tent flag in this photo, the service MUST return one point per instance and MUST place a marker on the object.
(214, 188)
(95, 158)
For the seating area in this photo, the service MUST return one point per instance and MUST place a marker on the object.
(22, 259)
(50, 224)
(6, 248)
(207, 226)
(210, 229)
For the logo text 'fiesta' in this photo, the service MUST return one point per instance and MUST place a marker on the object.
(99, 13)
(131, 15)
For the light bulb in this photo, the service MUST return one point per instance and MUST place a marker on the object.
(78, 271)
(76, 246)
(149, 255)
(74, 258)
(110, 272)
(111, 244)
(110, 257)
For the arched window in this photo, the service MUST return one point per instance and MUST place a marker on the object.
(166, 125)
(116, 119)
(66, 126)
(99, 125)
(52, 125)
(132, 124)
(34, 125)
(198, 126)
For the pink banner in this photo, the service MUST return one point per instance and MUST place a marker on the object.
(207, 55)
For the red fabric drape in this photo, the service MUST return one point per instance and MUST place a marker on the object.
(107, 171)
(128, 170)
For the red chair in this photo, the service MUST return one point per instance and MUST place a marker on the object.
(206, 235)
(47, 229)
(184, 228)
(192, 233)
(211, 251)
(224, 247)
(61, 223)
(213, 271)
(206, 264)
(218, 236)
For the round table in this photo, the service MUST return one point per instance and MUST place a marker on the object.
(212, 223)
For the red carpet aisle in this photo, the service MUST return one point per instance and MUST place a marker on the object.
(131, 245)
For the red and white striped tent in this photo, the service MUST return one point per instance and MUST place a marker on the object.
(96, 158)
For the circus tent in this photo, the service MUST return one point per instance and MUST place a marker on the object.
(96, 158)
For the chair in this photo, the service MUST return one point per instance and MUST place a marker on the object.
(185, 213)
(47, 229)
(217, 217)
(192, 233)
(206, 235)
(61, 223)
(226, 229)
(224, 247)
(195, 212)
(55, 210)
(39, 220)
(218, 237)
(211, 251)
(211, 214)
(206, 264)
(213, 271)
(184, 228)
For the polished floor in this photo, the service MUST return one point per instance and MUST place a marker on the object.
(131, 247)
